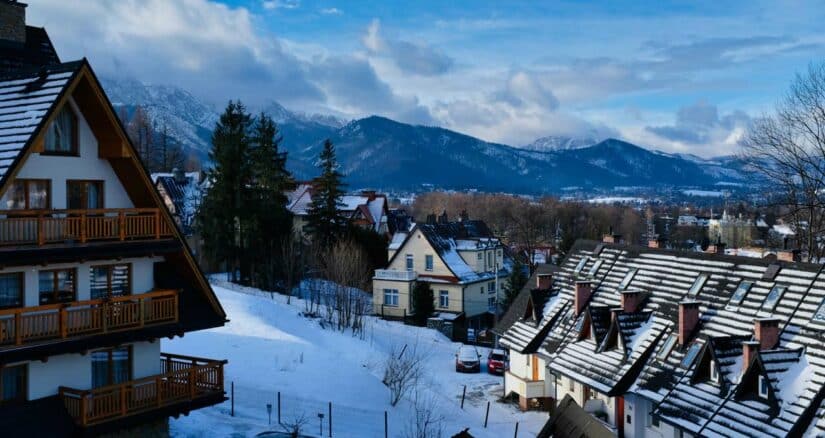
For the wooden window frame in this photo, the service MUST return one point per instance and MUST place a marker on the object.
(75, 151)
(21, 278)
(101, 197)
(109, 270)
(54, 291)
(24, 396)
(110, 363)
(27, 200)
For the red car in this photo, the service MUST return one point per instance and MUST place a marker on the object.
(496, 361)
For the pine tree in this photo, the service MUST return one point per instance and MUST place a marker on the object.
(324, 219)
(515, 282)
(423, 303)
(224, 211)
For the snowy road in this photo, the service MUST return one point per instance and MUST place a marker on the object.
(271, 348)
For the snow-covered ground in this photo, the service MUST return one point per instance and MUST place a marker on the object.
(271, 348)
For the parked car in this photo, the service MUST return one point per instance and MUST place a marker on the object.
(496, 361)
(467, 360)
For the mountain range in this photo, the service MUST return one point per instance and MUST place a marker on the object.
(382, 153)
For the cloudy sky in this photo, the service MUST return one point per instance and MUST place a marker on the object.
(681, 76)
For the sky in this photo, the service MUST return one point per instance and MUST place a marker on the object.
(678, 76)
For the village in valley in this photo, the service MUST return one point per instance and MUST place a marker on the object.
(152, 289)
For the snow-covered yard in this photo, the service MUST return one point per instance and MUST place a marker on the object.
(272, 348)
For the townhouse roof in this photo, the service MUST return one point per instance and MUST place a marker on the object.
(520, 303)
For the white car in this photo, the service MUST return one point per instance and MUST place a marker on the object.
(468, 360)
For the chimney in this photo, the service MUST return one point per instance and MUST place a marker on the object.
(544, 281)
(431, 219)
(749, 350)
(788, 255)
(13, 21)
(766, 332)
(583, 291)
(688, 319)
(179, 175)
(463, 216)
(631, 301)
(442, 218)
(716, 248)
(370, 194)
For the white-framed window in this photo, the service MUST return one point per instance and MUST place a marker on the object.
(571, 385)
(668, 346)
(628, 278)
(595, 268)
(580, 265)
(391, 297)
(491, 304)
(490, 260)
(740, 292)
(763, 387)
(410, 263)
(714, 372)
(61, 135)
(491, 287)
(443, 299)
(428, 262)
(481, 289)
(773, 298)
(479, 256)
(698, 284)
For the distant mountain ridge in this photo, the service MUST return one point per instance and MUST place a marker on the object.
(382, 153)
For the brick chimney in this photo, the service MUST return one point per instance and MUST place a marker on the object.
(749, 350)
(584, 289)
(716, 248)
(612, 237)
(13, 21)
(370, 194)
(766, 332)
(631, 301)
(788, 255)
(688, 318)
(544, 281)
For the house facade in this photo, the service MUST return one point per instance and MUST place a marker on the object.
(656, 342)
(368, 210)
(93, 270)
(464, 264)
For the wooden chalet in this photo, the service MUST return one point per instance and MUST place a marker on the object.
(93, 270)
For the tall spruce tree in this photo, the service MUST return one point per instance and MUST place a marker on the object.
(272, 222)
(515, 282)
(224, 211)
(325, 222)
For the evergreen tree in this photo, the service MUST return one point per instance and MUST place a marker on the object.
(423, 303)
(224, 211)
(324, 219)
(515, 282)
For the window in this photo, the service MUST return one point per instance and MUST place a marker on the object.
(691, 354)
(490, 260)
(491, 287)
(479, 256)
(410, 264)
(61, 136)
(572, 385)
(491, 304)
(773, 298)
(668, 346)
(82, 195)
(697, 285)
(819, 316)
(57, 286)
(580, 266)
(111, 366)
(30, 194)
(11, 290)
(763, 387)
(428, 262)
(110, 281)
(714, 372)
(653, 420)
(740, 292)
(13, 383)
(628, 419)
(443, 299)
(391, 297)
(628, 278)
(595, 268)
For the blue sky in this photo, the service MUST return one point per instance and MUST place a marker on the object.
(680, 76)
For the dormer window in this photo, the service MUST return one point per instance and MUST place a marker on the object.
(595, 268)
(698, 284)
(61, 135)
(580, 266)
(740, 292)
(773, 298)
(628, 278)
(763, 387)
(665, 351)
(691, 354)
(714, 372)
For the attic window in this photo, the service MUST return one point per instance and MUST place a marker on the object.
(773, 298)
(595, 268)
(580, 266)
(698, 284)
(665, 351)
(628, 278)
(714, 372)
(763, 387)
(740, 292)
(580, 325)
(691, 354)
(61, 136)
(819, 316)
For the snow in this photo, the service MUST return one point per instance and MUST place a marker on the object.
(705, 193)
(272, 348)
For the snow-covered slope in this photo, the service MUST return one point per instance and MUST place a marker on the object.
(560, 143)
(271, 348)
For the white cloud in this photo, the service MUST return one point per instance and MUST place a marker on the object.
(281, 4)
(332, 11)
(414, 58)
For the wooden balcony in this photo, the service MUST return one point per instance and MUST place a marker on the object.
(41, 227)
(183, 379)
(29, 325)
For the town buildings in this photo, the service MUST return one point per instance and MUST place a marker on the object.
(94, 271)
(367, 210)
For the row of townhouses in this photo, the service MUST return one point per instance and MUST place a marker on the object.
(94, 271)
(654, 342)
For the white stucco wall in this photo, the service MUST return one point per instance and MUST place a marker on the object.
(145, 359)
(85, 167)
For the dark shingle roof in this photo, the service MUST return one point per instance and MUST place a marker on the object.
(37, 51)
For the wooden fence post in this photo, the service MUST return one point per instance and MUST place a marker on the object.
(330, 419)
(157, 223)
(83, 225)
(41, 239)
(232, 399)
(18, 336)
(159, 390)
(463, 394)
(386, 426)
(487, 415)
(121, 224)
(63, 318)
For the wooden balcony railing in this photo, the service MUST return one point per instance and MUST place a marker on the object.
(82, 318)
(183, 379)
(40, 227)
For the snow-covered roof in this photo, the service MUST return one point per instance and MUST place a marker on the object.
(372, 209)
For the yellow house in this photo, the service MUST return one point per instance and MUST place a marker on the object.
(462, 261)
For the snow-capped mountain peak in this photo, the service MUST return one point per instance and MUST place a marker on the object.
(560, 143)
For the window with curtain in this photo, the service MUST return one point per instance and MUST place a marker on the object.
(11, 290)
(29, 194)
(61, 136)
(13, 383)
(57, 286)
(111, 366)
(110, 281)
(82, 195)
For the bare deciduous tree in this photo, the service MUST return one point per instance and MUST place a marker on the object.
(787, 150)
(295, 425)
(346, 266)
(403, 369)
(426, 421)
